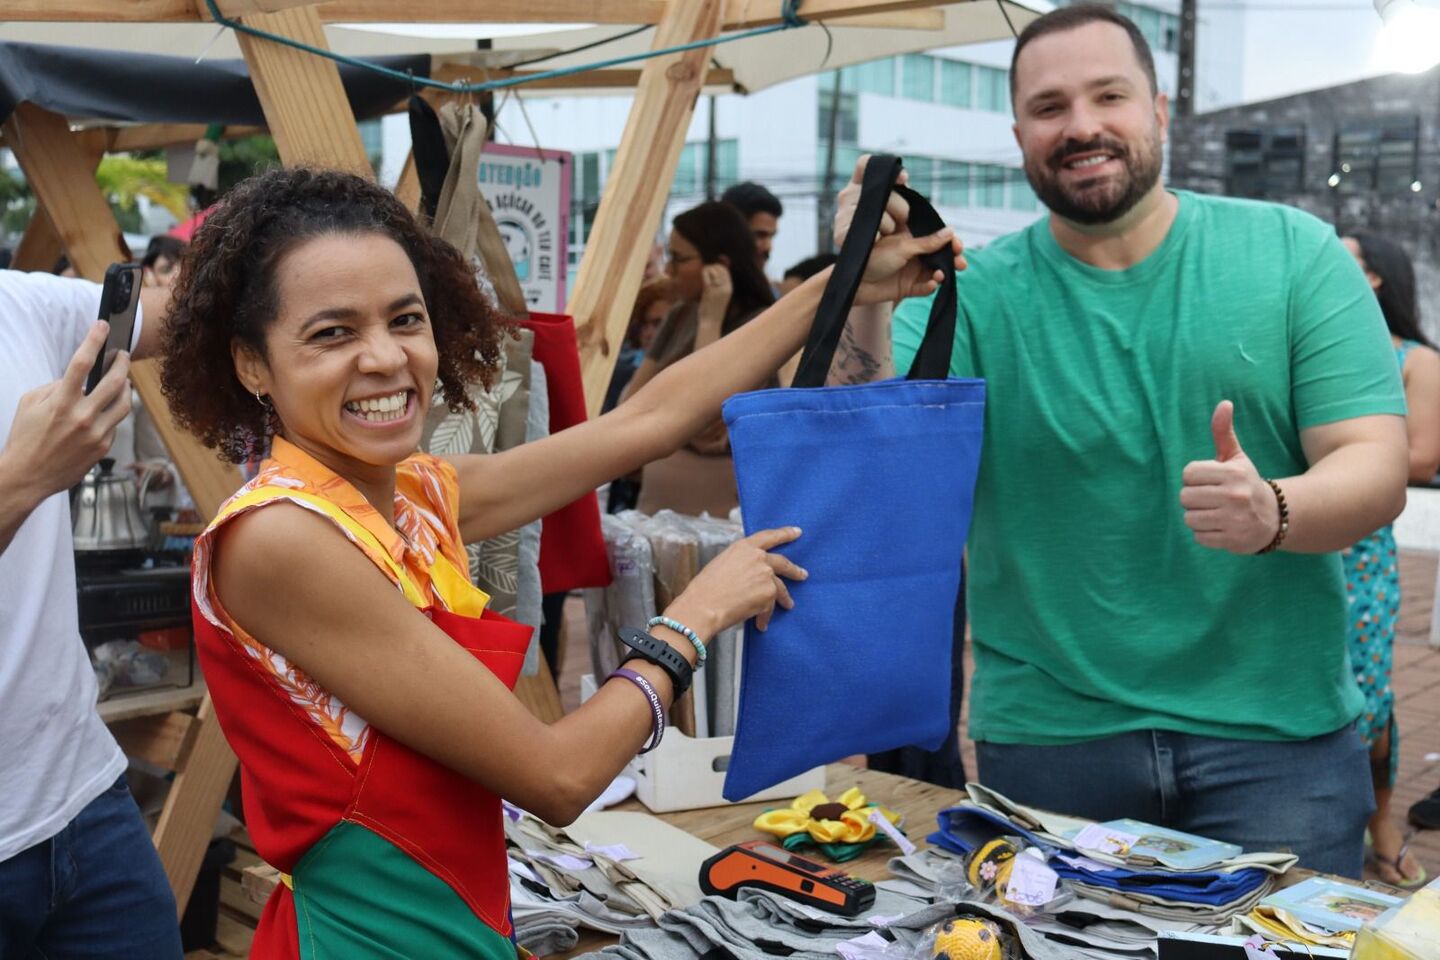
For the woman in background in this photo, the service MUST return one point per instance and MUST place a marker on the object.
(716, 277)
(1372, 577)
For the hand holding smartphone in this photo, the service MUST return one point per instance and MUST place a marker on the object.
(119, 303)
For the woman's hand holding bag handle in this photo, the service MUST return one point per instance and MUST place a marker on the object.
(933, 359)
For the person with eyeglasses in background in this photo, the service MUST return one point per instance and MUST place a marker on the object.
(718, 286)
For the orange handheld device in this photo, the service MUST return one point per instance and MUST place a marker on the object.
(765, 866)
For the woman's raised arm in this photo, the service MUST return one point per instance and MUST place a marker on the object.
(504, 491)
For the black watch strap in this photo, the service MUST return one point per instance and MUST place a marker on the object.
(661, 654)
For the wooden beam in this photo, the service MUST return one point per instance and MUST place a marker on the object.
(60, 168)
(634, 198)
(737, 15)
(188, 818)
(119, 11)
(241, 8)
(407, 188)
(40, 247)
(301, 94)
(157, 136)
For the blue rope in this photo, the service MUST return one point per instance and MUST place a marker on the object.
(790, 19)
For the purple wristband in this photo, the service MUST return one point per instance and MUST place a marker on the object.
(657, 712)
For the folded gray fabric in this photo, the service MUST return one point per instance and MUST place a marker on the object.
(760, 925)
(546, 934)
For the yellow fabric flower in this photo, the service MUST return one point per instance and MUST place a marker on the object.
(845, 820)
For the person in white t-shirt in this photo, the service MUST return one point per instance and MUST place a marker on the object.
(79, 876)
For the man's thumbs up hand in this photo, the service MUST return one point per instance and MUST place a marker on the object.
(1227, 503)
(1222, 427)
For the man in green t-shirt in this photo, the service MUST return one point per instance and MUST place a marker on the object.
(1193, 404)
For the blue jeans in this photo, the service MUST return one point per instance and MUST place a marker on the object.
(1311, 797)
(94, 891)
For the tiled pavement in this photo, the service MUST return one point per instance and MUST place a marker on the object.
(1416, 679)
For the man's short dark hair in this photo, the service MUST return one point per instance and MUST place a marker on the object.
(810, 266)
(751, 198)
(1070, 18)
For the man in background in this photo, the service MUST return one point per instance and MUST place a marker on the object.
(761, 209)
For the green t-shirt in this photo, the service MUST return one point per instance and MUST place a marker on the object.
(1094, 612)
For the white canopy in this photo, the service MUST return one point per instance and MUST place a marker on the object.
(755, 63)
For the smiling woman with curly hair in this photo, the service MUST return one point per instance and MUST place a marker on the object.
(230, 293)
(352, 664)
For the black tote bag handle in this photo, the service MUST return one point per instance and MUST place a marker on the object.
(932, 361)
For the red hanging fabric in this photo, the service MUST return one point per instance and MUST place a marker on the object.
(572, 549)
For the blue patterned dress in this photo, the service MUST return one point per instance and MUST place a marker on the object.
(1372, 588)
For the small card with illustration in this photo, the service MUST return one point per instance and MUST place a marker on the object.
(1135, 841)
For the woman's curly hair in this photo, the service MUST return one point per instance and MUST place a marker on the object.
(227, 291)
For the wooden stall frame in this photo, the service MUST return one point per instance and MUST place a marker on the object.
(307, 113)
(737, 15)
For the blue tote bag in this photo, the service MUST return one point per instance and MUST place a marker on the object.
(881, 479)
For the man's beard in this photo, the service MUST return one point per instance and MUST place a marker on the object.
(1100, 199)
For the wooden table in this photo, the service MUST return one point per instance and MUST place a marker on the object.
(722, 826)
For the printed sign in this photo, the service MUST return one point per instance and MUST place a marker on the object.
(529, 195)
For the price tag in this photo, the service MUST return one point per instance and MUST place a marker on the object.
(562, 860)
(1032, 883)
(1084, 863)
(863, 948)
(1105, 840)
(888, 828)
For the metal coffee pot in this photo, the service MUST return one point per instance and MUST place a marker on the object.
(106, 514)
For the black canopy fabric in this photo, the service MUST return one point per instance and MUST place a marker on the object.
(145, 88)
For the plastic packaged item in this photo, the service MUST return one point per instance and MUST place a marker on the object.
(629, 600)
(131, 665)
(1410, 931)
(952, 884)
(968, 938)
(1008, 872)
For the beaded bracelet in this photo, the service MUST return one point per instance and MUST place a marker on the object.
(700, 652)
(657, 712)
(1284, 518)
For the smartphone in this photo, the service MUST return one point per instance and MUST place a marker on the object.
(119, 302)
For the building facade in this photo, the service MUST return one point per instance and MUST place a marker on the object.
(1362, 156)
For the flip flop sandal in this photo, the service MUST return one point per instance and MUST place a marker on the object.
(1404, 883)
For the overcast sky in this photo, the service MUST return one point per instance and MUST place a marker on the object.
(1295, 45)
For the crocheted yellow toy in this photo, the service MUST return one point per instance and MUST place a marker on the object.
(968, 938)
